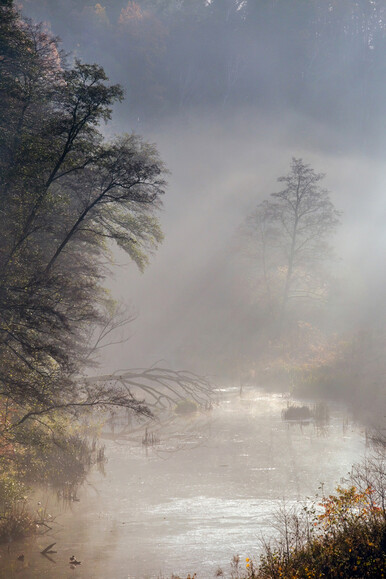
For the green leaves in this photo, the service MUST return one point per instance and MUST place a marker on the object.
(66, 195)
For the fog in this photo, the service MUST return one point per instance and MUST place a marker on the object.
(230, 92)
(220, 170)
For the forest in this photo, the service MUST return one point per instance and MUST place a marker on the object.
(324, 59)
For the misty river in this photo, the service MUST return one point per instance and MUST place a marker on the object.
(205, 491)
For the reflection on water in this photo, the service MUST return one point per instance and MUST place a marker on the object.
(205, 492)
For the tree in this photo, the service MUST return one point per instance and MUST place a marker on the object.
(66, 195)
(288, 236)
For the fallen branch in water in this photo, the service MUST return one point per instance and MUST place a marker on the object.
(161, 387)
(48, 549)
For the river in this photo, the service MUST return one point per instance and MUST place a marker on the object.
(206, 491)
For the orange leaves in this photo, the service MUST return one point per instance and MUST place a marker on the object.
(347, 507)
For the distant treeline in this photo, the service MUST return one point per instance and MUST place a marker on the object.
(322, 58)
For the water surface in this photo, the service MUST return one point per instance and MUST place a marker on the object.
(206, 492)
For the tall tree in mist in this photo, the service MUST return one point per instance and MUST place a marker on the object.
(287, 237)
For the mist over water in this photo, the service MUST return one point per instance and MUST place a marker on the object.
(208, 490)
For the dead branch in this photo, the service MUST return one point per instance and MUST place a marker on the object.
(159, 387)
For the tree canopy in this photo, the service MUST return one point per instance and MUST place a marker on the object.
(67, 196)
(287, 237)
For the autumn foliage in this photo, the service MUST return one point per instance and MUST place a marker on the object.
(345, 536)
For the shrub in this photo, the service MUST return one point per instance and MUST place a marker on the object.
(346, 539)
(17, 522)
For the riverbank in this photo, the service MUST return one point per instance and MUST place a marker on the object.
(57, 463)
